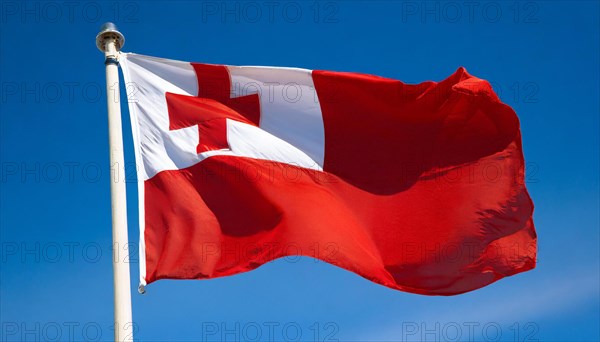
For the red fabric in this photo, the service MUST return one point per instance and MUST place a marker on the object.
(214, 83)
(212, 106)
(422, 191)
(209, 115)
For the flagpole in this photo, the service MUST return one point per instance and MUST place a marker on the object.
(110, 41)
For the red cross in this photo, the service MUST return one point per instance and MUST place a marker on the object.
(210, 109)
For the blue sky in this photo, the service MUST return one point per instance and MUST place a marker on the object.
(56, 275)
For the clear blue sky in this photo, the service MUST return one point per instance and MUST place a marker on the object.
(56, 276)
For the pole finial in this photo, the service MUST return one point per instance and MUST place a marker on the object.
(109, 31)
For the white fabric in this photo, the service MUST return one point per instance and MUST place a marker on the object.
(291, 126)
(289, 107)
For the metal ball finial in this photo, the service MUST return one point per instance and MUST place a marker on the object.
(109, 30)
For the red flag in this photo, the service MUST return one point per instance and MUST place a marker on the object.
(416, 187)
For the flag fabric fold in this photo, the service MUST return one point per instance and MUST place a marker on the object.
(419, 188)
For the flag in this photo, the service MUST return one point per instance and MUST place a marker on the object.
(418, 188)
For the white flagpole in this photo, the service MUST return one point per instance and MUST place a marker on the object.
(110, 41)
